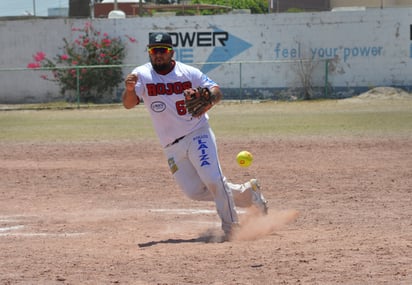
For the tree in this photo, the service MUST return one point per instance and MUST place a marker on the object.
(78, 64)
(255, 6)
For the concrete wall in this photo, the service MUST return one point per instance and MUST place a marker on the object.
(366, 48)
(364, 3)
(370, 3)
(404, 2)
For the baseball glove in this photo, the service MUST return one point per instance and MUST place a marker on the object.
(198, 101)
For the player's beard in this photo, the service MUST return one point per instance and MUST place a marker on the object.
(161, 68)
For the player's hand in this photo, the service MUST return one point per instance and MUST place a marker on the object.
(130, 82)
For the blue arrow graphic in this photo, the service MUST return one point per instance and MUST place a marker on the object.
(233, 47)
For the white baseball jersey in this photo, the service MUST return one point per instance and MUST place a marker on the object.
(164, 99)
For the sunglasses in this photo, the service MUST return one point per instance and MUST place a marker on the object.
(162, 50)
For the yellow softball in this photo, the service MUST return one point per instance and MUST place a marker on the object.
(244, 158)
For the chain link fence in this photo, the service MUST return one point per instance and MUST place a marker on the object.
(243, 80)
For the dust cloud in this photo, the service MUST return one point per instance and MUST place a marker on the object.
(254, 225)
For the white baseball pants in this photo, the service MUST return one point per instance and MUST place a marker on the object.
(194, 163)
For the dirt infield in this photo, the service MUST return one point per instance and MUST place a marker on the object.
(110, 213)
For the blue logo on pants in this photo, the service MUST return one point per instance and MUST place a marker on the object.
(204, 157)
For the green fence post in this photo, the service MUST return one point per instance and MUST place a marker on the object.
(240, 81)
(326, 77)
(78, 86)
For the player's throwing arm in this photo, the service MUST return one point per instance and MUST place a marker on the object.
(130, 98)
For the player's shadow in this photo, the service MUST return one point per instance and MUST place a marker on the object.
(207, 238)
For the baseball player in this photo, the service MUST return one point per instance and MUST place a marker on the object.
(167, 88)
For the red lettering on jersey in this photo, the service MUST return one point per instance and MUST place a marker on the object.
(160, 89)
(187, 85)
(167, 89)
(151, 89)
(178, 87)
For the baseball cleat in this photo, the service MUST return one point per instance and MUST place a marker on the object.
(230, 235)
(257, 197)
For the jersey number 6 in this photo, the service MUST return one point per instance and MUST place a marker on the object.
(181, 108)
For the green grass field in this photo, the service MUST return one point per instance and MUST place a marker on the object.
(267, 119)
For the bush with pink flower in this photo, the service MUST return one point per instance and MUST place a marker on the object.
(89, 50)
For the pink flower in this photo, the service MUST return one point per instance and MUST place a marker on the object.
(74, 62)
(34, 65)
(105, 35)
(87, 26)
(131, 39)
(102, 55)
(43, 76)
(64, 57)
(86, 41)
(106, 42)
(39, 56)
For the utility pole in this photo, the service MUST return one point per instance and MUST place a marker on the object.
(140, 8)
(34, 8)
(92, 9)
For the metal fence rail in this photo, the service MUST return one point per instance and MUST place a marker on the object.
(304, 76)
